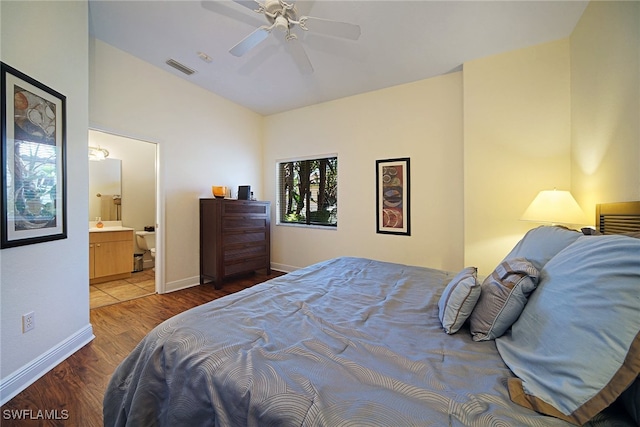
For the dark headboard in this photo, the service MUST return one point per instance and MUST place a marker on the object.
(618, 218)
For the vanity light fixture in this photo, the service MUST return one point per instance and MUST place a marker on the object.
(98, 153)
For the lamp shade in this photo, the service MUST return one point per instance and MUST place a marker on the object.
(555, 207)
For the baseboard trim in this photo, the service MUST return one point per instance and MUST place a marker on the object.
(195, 281)
(283, 267)
(181, 284)
(31, 372)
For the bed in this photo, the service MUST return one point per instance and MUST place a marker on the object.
(549, 338)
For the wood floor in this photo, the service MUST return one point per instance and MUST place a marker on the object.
(72, 392)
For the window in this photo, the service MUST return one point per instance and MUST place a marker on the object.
(308, 192)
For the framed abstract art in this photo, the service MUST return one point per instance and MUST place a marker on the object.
(33, 160)
(393, 196)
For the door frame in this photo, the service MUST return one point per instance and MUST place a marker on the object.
(159, 262)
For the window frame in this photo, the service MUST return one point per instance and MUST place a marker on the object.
(280, 198)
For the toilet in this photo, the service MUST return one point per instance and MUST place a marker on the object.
(146, 241)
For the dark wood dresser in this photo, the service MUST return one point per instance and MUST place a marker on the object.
(234, 238)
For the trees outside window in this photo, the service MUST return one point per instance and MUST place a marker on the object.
(308, 191)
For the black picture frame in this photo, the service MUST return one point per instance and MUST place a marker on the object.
(33, 205)
(393, 196)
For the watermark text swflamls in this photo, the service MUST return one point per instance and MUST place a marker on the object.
(37, 414)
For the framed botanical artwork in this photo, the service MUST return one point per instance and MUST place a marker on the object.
(33, 156)
(393, 196)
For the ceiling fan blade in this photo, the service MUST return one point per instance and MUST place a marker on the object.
(250, 4)
(249, 42)
(296, 50)
(329, 27)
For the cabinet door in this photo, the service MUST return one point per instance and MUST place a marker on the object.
(92, 263)
(113, 258)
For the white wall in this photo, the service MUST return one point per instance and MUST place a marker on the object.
(605, 98)
(203, 140)
(421, 121)
(48, 41)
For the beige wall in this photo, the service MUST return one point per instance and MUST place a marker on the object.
(516, 143)
(421, 121)
(562, 115)
(203, 140)
(605, 98)
(519, 113)
(48, 41)
(469, 192)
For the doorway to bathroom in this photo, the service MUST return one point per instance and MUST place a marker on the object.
(126, 170)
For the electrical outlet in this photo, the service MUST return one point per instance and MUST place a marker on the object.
(28, 321)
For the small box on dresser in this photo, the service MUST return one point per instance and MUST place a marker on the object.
(234, 238)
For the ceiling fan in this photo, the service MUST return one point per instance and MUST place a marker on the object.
(284, 17)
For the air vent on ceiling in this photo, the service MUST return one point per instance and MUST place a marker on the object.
(180, 67)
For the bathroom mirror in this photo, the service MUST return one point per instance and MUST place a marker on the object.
(105, 190)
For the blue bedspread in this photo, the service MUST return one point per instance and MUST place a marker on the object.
(344, 342)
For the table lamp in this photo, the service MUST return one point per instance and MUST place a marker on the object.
(555, 207)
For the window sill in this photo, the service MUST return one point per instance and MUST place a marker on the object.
(321, 227)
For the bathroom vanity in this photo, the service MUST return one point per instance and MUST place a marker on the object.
(110, 254)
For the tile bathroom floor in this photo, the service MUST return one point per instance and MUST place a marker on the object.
(140, 284)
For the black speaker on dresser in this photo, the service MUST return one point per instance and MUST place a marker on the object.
(244, 192)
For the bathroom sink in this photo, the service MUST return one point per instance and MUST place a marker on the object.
(109, 228)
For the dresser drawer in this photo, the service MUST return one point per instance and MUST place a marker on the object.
(245, 208)
(233, 223)
(246, 237)
(251, 264)
(249, 250)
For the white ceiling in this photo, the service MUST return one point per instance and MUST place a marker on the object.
(402, 41)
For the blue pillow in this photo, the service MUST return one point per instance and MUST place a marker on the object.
(458, 299)
(541, 244)
(576, 346)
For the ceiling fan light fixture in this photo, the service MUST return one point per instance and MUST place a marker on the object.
(273, 6)
(282, 23)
